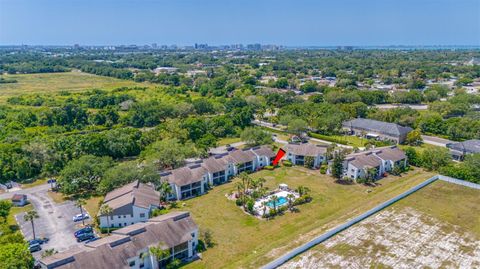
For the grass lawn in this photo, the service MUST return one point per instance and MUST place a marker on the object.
(350, 140)
(422, 230)
(420, 148)
(228, 141)
(246, 241)
(17, 210)
(92, 205)
(34, 183)
(57, 197)
(56, 82)
(447, 202)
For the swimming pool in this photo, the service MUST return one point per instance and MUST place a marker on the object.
(280, 201)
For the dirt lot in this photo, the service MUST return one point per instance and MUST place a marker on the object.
(422, 231)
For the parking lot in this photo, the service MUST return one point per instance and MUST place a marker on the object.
(54, 222)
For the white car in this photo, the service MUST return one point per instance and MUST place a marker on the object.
(80, 217)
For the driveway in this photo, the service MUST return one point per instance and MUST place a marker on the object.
(54, 222)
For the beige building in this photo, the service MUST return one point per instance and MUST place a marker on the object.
(129, 247)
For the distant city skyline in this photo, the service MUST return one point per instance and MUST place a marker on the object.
(215, 22)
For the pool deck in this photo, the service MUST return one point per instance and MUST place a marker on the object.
(282, 193)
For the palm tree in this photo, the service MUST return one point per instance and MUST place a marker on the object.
(80, 203)
(106, 210)
(302, 190)
(264, 207)
(160, 251)
(240, 187)
(30, 216)
(49, 252)
(165, 190)
(273, 200)
(290, 198)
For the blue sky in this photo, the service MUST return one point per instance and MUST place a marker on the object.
(284, 22)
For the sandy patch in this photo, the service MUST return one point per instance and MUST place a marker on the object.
(396, 239)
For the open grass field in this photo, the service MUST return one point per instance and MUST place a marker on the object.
(436, 227)
(57, 82)
(244, 241)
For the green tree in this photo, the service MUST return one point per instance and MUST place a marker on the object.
(5, 206)
(414, 138)
(15, 256)
(31, 216)
(255, 136)
(159, 253)
(125, 173)
(297, 126)
(106, 210)
(169, 153)
(82, 175)
(435, 157)
(412, 156)
(337, 165)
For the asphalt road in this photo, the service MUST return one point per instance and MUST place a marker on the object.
(54, 222)
(437, 141)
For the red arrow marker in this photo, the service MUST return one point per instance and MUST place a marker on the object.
(279, 156)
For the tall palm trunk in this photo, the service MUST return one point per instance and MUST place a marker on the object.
(81, 212)
(33, 229)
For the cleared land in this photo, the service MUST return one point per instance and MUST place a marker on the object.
(244, 241)
(437, 227)
(57, 82)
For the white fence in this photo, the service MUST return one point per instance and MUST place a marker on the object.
(460, 182)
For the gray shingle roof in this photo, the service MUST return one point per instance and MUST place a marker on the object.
(135, 193)
(240, 156)
(264, 151)
(185, 175)
(368, 158)
(113, 251)
(468, 146)
(306, 149)
(390, 153)
(381, 127)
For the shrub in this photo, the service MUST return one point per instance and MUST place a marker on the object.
(105, 230)
(250, 204)
(323, 169)
(269, 167)
(303, 199)
(287, 163)
(238, 202)
(328, 138)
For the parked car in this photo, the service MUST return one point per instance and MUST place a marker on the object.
(34, 247)
(80, 217)
(38, 241)
(87, 229)
(85, 236)
(9, 185)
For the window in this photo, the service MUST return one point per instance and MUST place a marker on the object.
(124, 216)
(131, 264)
(111, 217)
(119, 217)
(142, 215)
(125, 224)
(119, 225)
